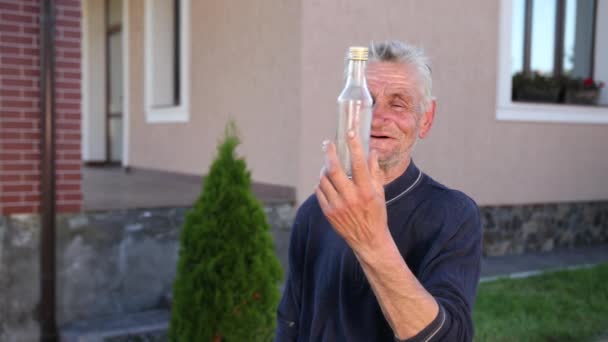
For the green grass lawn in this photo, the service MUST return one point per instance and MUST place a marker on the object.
(560, 306)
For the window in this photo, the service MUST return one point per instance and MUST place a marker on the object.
(166, 58)
(552, 61)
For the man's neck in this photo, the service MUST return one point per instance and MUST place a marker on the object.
(391, 173)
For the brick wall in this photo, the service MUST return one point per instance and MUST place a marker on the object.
(20, 106)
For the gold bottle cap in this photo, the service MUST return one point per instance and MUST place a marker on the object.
(357, 53)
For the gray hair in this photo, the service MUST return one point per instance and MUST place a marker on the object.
(399, 52)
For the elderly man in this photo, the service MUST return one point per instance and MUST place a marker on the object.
(390, 254)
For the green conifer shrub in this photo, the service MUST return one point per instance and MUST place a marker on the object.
(226, 287)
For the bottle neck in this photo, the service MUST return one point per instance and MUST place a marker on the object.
(355, 73)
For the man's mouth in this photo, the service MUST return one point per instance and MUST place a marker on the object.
(379, 136)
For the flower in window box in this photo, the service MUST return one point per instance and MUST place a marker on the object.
(582, 91)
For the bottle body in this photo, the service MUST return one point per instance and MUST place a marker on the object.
(354, 111)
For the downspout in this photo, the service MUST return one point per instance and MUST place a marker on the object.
(48, 323)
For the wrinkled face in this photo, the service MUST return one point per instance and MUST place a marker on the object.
(396, 123)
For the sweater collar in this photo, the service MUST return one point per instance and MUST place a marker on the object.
(403, 184)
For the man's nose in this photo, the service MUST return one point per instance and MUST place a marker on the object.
(379, 116)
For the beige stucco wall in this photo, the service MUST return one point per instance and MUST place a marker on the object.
(245, 66)
(495, 162)
(277, 68)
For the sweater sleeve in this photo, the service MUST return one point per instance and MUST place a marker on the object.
(451, 275)
(288, 312)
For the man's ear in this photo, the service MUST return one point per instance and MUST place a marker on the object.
(426, 121)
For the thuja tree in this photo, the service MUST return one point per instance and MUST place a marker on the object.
(226, 288)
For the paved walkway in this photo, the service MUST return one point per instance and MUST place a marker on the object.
(533, 263)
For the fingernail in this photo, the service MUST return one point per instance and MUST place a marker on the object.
(351, 133)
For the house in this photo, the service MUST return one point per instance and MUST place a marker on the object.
(188, 67)
(149, 85)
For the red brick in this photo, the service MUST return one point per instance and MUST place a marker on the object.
(67, 106)
(9, 50)
(9, 135)
(17, 167)
(71, 34)
(66, 147)
(10, 92)
(5, 178)
(31, 94)
(71, 126)
(18, 61)
(33, 30)
(72, 55)
(67, 44)
(31, 9)
(16, 17)
(32, 72)
(15, 124)
(19, 103)
(32, 198)
(31, 156)
(9, 6)
(30, 52)
(71, 96)
(31, 135)
(20, 18)
(5, 156)
(15, 39)
(70, 14)
(28, 146)
(9, 71)
(68, 167)
(69, 116)
(17, 83)
(69, 158)
(10, 199)
(32, 178)
(9, 209)
(16, 188)
(68, 3)
(71, 136)
(68, 85)
(68, 65)
(65, 22)
(71, 75)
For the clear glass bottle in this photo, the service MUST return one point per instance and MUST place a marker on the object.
(354, 106)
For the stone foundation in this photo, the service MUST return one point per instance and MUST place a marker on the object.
(543, 227)
(108, 263)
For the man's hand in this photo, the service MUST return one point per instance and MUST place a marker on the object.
(355, 208)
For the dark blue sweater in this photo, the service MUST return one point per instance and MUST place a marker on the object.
(438, 232)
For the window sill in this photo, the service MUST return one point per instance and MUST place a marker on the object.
(531, 112)
(167, 115)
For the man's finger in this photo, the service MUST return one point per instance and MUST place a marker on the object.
(361, 174)
(334, 171)
(330, 192)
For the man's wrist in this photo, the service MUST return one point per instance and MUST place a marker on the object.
(382, 249)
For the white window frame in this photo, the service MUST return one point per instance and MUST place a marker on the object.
(507, 110)
(181, 112)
